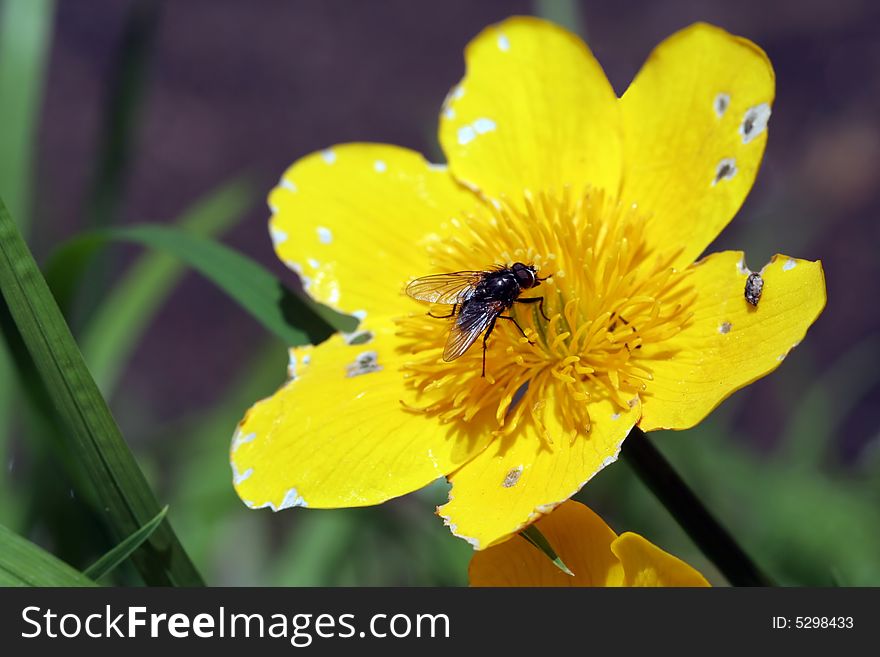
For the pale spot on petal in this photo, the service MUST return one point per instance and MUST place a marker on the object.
(484, 125)
(721, 103)
(466, 134)
(324, 235)
(379, 166)
(328, 156)
(789, 265)
(278, 236)
(240, 477)
(453, 528)
(503, 43)
(512, 477)
(291, 499)
(239, 439)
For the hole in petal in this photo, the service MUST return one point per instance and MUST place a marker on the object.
(365, 363)
(360, 337)
(722, 102)
(725, 170)
(754, 122)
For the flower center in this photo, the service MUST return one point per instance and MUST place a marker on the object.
(608, 296)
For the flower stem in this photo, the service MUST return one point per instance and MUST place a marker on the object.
(714, 541)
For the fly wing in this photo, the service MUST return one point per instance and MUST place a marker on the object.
(470, 323)
(455, 287)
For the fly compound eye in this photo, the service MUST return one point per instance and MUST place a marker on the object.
(524, 275)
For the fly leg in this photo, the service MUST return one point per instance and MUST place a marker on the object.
(516, 324)
(485, 339)
(454, 307)
(537, 300)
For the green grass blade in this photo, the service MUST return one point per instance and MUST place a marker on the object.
(25, 37)
(125, 549)
(566, 13)
(829, 399)
(534, 536)
(318, 543)
(124, 315)
(294, 318)
(126, 501)
(121, 115)
(23, 563)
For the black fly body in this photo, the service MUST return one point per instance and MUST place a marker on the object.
(478, 300)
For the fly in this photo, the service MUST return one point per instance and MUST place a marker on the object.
(478, 300)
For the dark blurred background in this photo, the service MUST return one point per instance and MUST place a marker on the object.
(218, 89)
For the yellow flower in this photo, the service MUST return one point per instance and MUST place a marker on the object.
(613, 197)
(592, 551)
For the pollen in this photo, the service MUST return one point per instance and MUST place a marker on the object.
(607, 297)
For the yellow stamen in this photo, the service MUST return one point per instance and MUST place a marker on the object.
(607, 298)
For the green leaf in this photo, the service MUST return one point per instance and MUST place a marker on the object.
(534, 536)
(125, 549)
(126, 502)
(125, 313)
(294, 318)
(23, 563)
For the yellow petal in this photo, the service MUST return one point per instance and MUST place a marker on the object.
(729, 343)
(337, 434)
(590, 549)
(533, 112)
(354, 220)
(644, 564)
(580, 538)
(694, 130)
(520, 477)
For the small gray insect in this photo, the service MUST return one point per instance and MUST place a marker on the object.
(754, 288)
